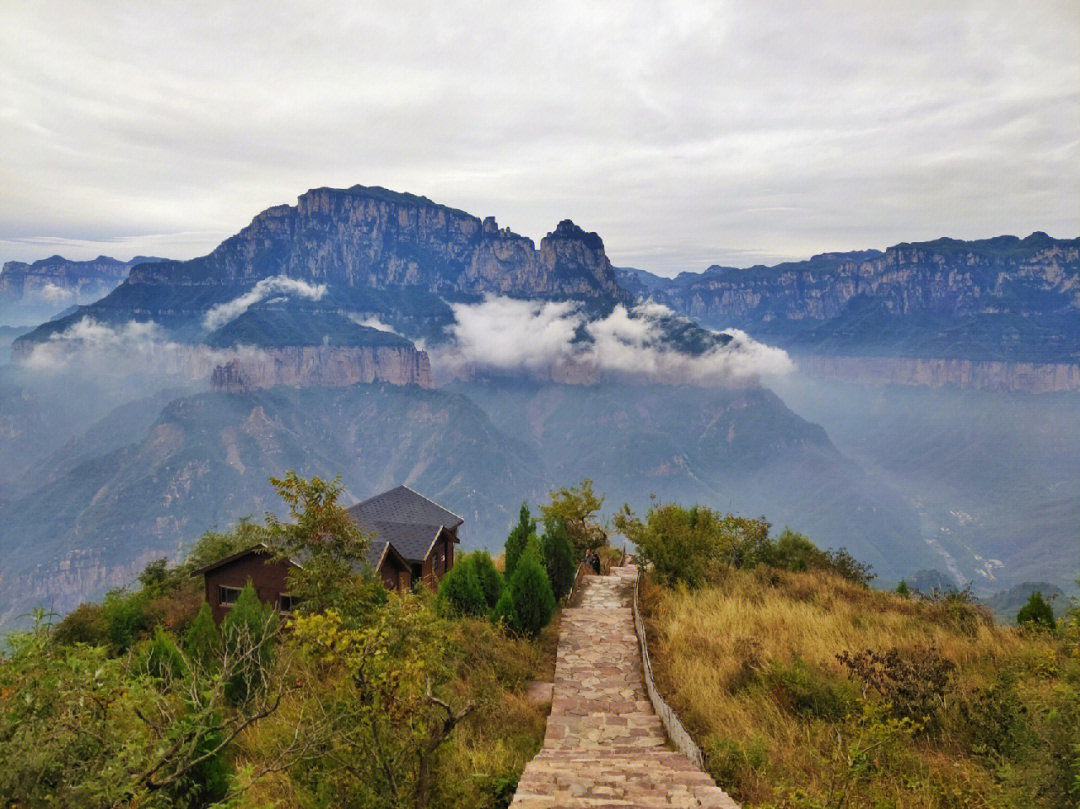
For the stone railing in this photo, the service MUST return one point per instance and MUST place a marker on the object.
(675, 730)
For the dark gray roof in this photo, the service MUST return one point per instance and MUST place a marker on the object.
(403, 505)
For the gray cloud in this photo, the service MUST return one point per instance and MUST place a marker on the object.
(221, 314)
(685, 133)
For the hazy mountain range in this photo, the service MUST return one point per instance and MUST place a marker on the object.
(391, 339)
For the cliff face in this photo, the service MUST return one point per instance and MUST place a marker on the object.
(1036, 275)
(987, 376)
(323, 366)
(372, 238)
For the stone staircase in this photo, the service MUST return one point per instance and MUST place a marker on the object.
(604, 746)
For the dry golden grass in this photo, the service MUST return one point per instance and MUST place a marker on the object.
(714, 648)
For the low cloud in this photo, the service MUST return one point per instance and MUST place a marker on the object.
(558, 340)
(54, 293)
(372, 322)
(90, 348)
(221, 314)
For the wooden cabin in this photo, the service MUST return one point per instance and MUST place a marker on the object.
(412, 540)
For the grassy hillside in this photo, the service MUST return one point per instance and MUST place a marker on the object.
(805, 689)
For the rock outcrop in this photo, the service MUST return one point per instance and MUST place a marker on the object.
(303, 366)
(372, 238)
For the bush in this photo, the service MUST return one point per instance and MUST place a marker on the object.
(559, 558)
(84, 624)
(161, 659)
(125, 615)
(491, 581)
(1036, 613)
(806, 691)
(460, 592)
(680, 543)
(916, 684)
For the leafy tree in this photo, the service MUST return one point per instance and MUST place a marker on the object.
(680, 543)
(1036, 613)
(559, 559)
(84, 624)
(203, 641)
(518, 539)
(125, 615)
(460, 592)
(527, 603)
(491, 581)
(902, 589)
(385, 718)
(577, 506)
(246, 635)
(328, 541)
(215, 545)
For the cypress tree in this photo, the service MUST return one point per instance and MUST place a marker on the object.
(558, 558)
(531, 602)
(203, 641)
(244, 629)
(1036, 612)
(491, 581)
(518, 539)
(460, 592)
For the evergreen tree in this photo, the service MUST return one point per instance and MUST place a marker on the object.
(460, 592)
(1036, 612)
(491, 581)
(246, 635)
(203, 641)
(527, 603)
(161, 659)
(518, 539)
(558, 557)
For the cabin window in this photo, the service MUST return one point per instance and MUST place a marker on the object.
(286, 603)
(227, 595)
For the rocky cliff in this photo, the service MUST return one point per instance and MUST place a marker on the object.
(372, 238)
(1024, 377)
(51, 284)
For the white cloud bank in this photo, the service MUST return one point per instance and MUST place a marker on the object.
(538, 337)
(221, 314)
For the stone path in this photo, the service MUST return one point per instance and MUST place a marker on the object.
(604, 746)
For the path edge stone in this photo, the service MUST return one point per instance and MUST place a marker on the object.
(674, 728)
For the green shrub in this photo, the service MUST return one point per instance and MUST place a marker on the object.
(734, 764)
(491, 581)
(161, 659)
(559, 560)
(84, 624)
(460, 592)
(803, 690)
(1036, 613)
(125, 615)
(203, 641)
(246, 639)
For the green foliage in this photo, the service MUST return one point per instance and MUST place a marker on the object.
(125, 616)
(527, 603)
(680, 544)
(460, 591)
(215, 545)
(577, 506)
(203, 641)
(328, 541)
(559, 559)
(1036, 613)
(246, 634)
(491, 581)
(807, 691)
(735, 764)
(518, 538)
(161, 659)
(902, 589)
(84, 624)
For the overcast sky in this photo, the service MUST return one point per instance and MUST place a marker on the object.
(684, 133)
